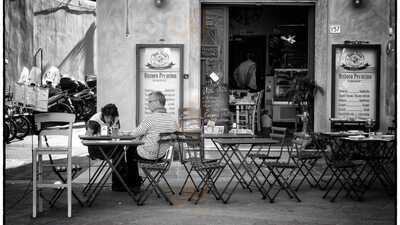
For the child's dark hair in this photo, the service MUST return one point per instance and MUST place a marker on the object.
(110, 110)
(93, 125)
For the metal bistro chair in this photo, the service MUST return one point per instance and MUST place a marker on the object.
(208, 170)
(155, 170)
(262, 155)
(305, 157)
(189, 145)
(282, 171)
(37, 162)
(343, 170)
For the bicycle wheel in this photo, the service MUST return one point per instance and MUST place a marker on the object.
(23, 126)
(6, 132)
(13, 129)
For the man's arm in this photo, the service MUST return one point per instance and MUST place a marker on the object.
(141, 129)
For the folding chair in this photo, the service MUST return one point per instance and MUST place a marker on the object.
(155, 170)
(262, 155)
(305, 158)
(192, 142)
(37, 171)
(207, 169)
(282, 171)
(343, 171)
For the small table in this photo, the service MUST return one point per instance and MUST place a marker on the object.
(116, 155)
(231, 143)
(224, 154)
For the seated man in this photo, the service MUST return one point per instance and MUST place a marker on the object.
(149, 132)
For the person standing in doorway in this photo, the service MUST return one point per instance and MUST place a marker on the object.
(245, 73)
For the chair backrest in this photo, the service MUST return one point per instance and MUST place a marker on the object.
(327, 150)
(167, 139)
(189, 146)
(279, 134)
(189, 118)
(46, 118)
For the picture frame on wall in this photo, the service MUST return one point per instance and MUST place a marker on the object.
(159, 67)
(356, 82)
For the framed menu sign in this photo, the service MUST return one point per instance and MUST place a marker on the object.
(159, 67)
(355, 81)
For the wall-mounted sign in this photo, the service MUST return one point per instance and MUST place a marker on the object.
(355, 82)
(334, 29)
(159, 68)
(209, 51)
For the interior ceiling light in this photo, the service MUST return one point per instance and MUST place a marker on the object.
(159, 3)
(357, 3)
(289, 38)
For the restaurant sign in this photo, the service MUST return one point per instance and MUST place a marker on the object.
(355, 82)
(159, 68)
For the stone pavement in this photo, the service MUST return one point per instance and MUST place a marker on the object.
(116, 208)
(19, 153)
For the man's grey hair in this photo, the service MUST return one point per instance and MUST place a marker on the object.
(160, 96)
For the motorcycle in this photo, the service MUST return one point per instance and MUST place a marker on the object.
(75, 97)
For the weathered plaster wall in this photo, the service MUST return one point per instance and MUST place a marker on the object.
(370, 23)
(177, 22)
(65, 30)
(18, 38)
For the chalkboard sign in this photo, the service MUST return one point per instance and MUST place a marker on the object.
(355, 82)
(159, 68)
(209, 51)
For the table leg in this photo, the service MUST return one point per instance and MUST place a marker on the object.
(228, 159)
(118, 157)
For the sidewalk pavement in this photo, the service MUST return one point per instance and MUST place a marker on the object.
(116, 208)
(244, 208)
(19, 153)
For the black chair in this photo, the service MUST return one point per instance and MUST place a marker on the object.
(155, 170)
(343, 170)
(267, 154)
(305, 155)
(282, 171)
(190, 156)
(207, 170)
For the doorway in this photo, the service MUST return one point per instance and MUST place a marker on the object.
(280, 39)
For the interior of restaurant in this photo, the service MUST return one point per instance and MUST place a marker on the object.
(278, 41)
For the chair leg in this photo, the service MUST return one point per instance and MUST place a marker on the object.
(40, 171)
(153, 185)
(169, 186)
(69, 184)
(34, 184)
(188, 176)
(284, 184)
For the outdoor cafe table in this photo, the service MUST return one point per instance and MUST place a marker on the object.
(376, 152)
(224, 154)
(113, 159)
(230, 145)
(335, 139)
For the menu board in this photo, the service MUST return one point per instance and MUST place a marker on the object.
(356, 82)
(159, 68)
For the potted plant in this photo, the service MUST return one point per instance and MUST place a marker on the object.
(301, 93)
